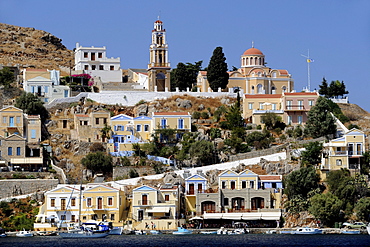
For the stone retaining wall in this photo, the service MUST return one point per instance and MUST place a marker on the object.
(16, 187)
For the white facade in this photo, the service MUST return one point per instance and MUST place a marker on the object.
(94, 61)
(46, 89)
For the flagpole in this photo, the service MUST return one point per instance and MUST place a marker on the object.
(308, 60)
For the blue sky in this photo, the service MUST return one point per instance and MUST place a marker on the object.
(336, 32)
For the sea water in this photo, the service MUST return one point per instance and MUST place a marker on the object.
(168, 240)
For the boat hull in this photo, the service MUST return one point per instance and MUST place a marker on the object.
(82, 235)
(307, 230)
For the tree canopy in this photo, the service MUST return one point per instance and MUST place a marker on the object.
(325, 207)
(319, 120)
(334, 90)
(272, 121)
(301, 182)
(217, 75)
(31, 104)
(98, 162)
(312, 154)
(185, 75)
(6, 77)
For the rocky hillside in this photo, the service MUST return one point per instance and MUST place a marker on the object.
(32, 48)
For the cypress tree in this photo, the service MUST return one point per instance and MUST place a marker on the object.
(217, 75)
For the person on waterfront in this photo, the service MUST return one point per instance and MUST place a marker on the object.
(155, 227)
(146, 225)
(152, 224)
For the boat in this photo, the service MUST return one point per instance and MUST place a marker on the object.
(155, 232)
(3, 235)
(222, 230)
(285, 232)
(46, 233)
(182, 231)
(116, 231)
(368, 228)
(24, 233)
(350, 231)
(82, 234)
(238, 231)
(208, 232)
(140, 232)
(271, 232)
(307, 230)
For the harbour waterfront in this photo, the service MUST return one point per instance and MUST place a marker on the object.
(196, 240)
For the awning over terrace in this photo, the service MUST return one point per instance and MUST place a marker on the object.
(158, 210)
(244, 216)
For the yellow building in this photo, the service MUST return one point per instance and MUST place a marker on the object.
(20, 136)
(344, 152)
(156, 206)
(88, 126)
(255, 105)
(253, 77)
(194, 184)
(63, 208)
(103, 203)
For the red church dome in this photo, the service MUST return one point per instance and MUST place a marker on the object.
(252, 51)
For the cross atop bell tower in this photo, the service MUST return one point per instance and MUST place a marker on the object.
(159, 66)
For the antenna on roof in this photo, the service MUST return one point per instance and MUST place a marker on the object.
(159, 15)
(308, 60)
(252, 44)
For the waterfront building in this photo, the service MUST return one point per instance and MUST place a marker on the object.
(194, 185)
(67, 205)
(156, 206)
(242, 195)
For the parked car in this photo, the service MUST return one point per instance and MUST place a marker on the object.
(355, 225)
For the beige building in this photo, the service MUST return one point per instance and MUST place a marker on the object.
(20, 136)
(158, 206)
(344, 152)
(88, 126)
(253, 77)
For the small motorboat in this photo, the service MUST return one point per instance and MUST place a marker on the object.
(140, 232)
(238, 231)
(116, 231)
(271, 232)
(222, 230)
(46, 233)
(208, 232)
(307, 230)
(182, 231)
(368, 228)
(345, 231)
(3, 235)
(155, 232)
(24, 233)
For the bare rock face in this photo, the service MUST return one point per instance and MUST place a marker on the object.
(30, 47)
(172, 178)
(212, 177)
(184, 104)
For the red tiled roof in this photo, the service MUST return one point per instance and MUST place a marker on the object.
(270, 177)
(283, 72)
(300, 93)
(158, 21)
(261, 96)
(170, 113)
(203, 72)
(45, 70)
(81, 115)
(253, 51)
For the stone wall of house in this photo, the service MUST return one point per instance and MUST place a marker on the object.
(16, 187)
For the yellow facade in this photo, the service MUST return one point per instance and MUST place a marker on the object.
(11, 121)
(344, 152)
(155, 206)
(237, 181)
(253, 77)
(103, 203)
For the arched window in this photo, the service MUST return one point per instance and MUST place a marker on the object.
(259, 88)
(284, 89)
(274, 74)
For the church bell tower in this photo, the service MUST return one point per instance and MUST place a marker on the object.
(159, 66)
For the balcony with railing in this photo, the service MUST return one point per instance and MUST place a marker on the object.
(296, 108)
(144, 203)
